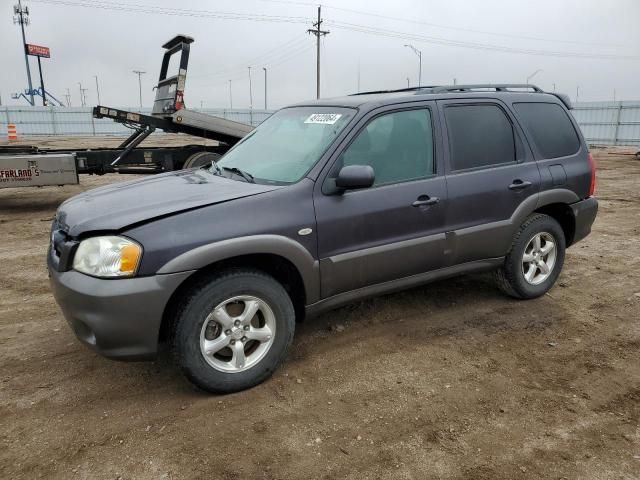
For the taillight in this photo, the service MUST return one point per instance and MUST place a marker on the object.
(592, 183)
(179, 100)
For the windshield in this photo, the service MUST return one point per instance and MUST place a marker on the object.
(286, 145)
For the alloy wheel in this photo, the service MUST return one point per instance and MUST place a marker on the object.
(237, 334)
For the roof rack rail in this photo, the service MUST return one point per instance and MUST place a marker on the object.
(407, 89)
(498, 87)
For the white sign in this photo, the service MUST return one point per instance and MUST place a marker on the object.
(323, 118)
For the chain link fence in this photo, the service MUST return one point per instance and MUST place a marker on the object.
(80, 121)
(602, 123)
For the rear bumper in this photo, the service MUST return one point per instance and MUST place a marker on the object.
(118, 318)
(584, 212)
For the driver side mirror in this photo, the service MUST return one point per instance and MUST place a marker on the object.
(355, 176)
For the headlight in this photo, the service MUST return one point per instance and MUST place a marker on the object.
(108, 256)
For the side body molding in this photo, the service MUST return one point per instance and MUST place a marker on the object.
(255, 244)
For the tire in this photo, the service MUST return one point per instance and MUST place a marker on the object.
(222, 371)
(512, 278)
(200, 159)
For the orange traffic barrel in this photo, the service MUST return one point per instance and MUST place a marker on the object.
(12, 133)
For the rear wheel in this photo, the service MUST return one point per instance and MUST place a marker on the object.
(535, 258)
(200, 159)
(233, 330)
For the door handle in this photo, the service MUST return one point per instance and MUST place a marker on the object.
(519, 184)
(425, 200)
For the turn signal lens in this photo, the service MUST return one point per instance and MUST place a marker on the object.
(108, 256)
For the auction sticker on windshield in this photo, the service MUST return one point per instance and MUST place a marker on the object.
(323, 118)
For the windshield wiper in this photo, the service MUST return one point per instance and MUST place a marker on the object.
(216, 167)
(246, 175)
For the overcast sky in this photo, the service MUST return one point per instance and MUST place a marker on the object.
(593, 44)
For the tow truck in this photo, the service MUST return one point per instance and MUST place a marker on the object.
(22, 166)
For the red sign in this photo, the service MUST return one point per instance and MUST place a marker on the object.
(37, 50)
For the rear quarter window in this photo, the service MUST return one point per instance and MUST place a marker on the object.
(550, 128)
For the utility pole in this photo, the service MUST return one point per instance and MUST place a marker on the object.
(419, 54)
(265, 87)
(577, 92)
(139, 73)
(455, 81)
(407, 82)
(230, 97)
(68, 98)
(44, 93)
(97, 89)
(22, 17)
(318, 33)
(84, 96)
(81, 94)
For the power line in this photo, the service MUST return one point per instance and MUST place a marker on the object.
(153, 9)
(141, 8)
(239, 73)
(472, 45)
(267, 56)
(436, 25)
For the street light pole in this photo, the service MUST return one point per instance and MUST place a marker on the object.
(419, 54)
(81, 94)
(250, 91)
(97, 89)
(265, 87)
(230, 97)
(139, 73)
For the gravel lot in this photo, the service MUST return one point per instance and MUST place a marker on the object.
(452, 380)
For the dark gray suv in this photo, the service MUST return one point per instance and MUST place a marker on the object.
(326, 202)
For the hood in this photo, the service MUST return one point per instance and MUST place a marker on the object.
(114, 207)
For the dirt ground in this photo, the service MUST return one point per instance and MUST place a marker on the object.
(452, 380)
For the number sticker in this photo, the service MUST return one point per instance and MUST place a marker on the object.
(323, 118)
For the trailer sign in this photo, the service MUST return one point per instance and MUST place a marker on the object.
(37, 50)
(37, 170)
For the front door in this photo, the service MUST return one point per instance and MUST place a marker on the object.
(395, 228)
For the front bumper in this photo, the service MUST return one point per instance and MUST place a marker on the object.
(118, 318)
(584, 213)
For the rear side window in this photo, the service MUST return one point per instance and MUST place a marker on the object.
(550, 127)
(479, 136)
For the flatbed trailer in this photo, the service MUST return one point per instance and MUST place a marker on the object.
(169, 115)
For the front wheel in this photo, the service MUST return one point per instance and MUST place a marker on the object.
(535, 259)
(233, 330)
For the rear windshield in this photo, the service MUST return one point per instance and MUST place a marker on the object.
(550, 127)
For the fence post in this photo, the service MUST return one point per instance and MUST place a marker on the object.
(53, 120)
(93, 123)
(618, 114)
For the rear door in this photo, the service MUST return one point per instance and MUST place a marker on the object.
(395, 228)
(490, 172)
